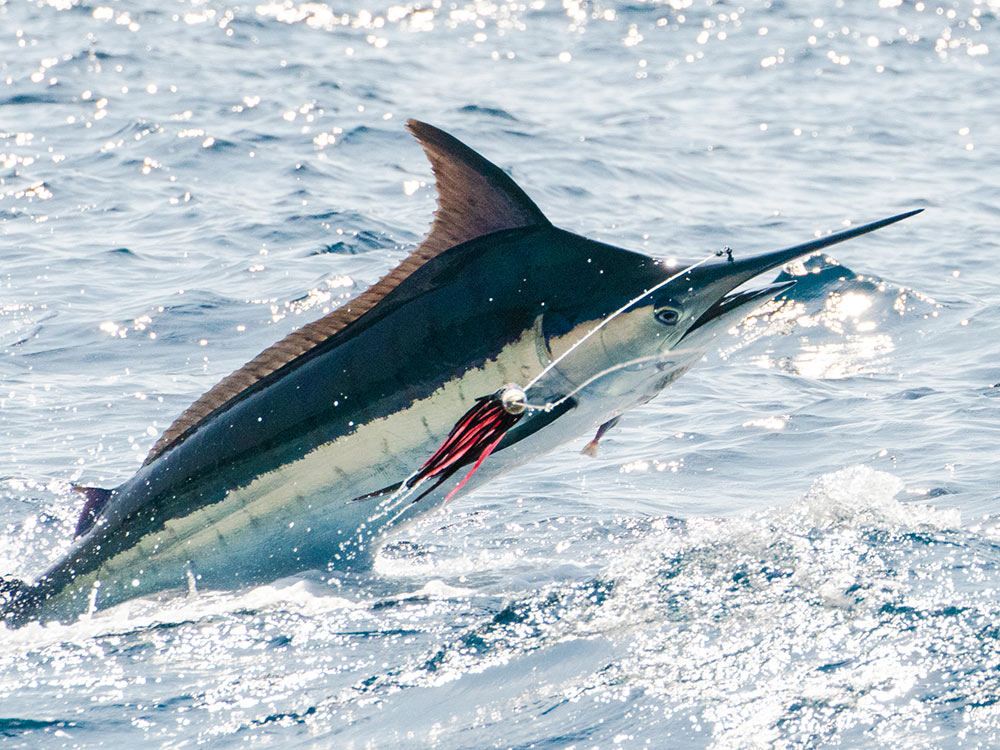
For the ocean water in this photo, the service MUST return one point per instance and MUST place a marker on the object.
(797, 545)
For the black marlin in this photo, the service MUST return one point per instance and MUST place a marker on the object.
(305, 456)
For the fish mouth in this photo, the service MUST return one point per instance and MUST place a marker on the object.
(738, 305)
(715, 282)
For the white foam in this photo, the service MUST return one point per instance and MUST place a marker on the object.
(814, 541)
(302, 593)
(438, 589)
(862, 496)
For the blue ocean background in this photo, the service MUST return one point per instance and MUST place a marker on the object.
(797, 545)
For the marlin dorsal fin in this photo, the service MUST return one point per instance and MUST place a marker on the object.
(475, 198)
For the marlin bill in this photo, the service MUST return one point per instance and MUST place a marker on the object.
(498, 339)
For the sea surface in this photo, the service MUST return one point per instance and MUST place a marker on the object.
(797, 545)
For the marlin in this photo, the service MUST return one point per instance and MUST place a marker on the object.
(498, 339)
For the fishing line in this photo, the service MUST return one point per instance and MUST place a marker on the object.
(399, 495)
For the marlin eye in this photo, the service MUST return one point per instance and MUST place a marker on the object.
(667, 315)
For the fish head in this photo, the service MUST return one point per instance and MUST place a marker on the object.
(645, 324)
(708, 300)
(636, 346)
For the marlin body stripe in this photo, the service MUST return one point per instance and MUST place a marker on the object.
(293, 462)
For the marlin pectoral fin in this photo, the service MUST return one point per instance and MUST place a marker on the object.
(97, 498)
(590, 449)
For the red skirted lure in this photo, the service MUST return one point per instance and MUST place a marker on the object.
(472, 438)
